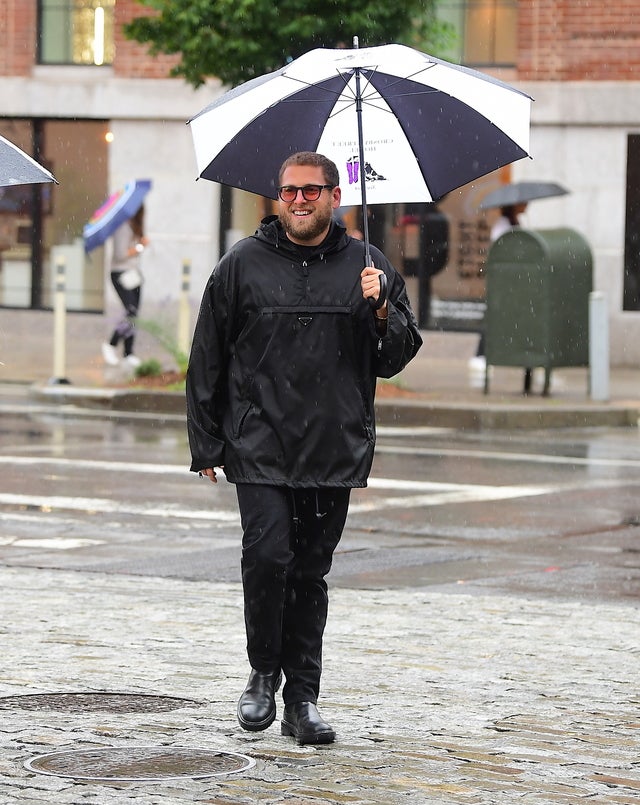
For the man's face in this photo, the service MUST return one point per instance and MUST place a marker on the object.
(307, 222)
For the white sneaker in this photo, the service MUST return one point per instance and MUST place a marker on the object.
(478, 363)
(133, 361)
(110, 355)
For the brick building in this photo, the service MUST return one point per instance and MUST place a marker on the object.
(98, 110)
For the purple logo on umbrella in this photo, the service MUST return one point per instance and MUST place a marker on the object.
(353, 168)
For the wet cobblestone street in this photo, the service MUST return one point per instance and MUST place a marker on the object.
(435, 697)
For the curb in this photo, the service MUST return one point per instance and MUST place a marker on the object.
(529, 415)
(500, 416)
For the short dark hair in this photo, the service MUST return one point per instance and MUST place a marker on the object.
(329, 169)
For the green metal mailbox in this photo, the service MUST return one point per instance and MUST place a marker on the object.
(538, 284)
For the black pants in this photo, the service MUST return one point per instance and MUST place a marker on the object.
(287, 549)
(125, 329)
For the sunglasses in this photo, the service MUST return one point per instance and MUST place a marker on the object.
(310, 192)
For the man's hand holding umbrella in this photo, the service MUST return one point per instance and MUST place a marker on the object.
(374, 286)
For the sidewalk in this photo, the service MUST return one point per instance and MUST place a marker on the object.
(446, 394)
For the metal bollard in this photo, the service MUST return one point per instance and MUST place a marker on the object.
(59, 325)
(598, 347)
(184, 311)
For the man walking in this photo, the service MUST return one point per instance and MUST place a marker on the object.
(291, 335)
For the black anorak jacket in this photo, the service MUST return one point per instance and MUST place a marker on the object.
(285, 355)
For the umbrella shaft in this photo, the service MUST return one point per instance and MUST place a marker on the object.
(363, 189)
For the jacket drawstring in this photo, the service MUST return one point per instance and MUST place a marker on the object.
(319, 514)
(294, 510)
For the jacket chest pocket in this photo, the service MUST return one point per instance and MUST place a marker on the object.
(309, 334)
(303, 316)
(298, 348)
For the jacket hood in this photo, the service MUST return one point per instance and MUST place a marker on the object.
(271, 232)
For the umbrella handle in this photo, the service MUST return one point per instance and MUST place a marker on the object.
(376, 304)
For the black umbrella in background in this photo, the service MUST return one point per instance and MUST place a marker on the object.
(521, 193)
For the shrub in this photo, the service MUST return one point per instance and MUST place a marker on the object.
(149, 368)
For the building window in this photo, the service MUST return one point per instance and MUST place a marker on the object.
(486, 31)
(42, 223)
(76, 31)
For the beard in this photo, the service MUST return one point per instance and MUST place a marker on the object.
(308, 227)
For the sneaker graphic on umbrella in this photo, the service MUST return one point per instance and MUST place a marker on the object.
(371, 175)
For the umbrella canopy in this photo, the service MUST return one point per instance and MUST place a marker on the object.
(521, 193)
(426, 126)
(16, 167)
(116, 210)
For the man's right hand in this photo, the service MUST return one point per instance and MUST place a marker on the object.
(210, 473)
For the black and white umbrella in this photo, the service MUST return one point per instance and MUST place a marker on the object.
(16, 167)
(399, 124)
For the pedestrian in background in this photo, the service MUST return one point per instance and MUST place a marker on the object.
(280, 392)
(508, 220)
(129, 242)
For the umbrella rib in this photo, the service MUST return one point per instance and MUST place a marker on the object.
(346, 83)
(399, 79)
(367, 97)
(425, 91)
(369, 103)
(347, 102)
(405, 95)
(369, 93)
(317, 86)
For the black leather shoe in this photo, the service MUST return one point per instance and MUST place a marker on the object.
(257, 706)
(303, 721)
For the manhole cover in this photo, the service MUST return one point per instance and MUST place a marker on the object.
(141, 763)
(96, 702)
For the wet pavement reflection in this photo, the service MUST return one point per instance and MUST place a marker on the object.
(549, 513)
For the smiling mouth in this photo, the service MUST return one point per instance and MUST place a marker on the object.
(301, 213)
